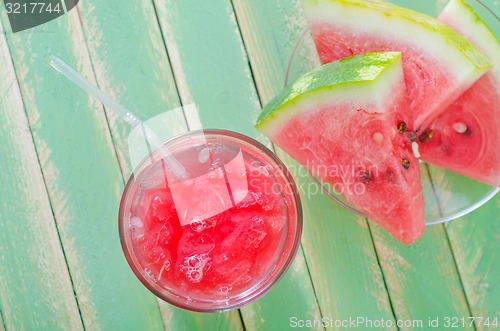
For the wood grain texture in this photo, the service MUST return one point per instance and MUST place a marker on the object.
(475, 239)
(427, 264)
(422, 278)
(211, 70)
(209, 63)
(292, 297)
(227, 59)
(343, 266)
(35, 286)
(82, 175)
(131, 64)
(181, 320)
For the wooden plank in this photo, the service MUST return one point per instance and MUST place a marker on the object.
(180, 320)
(211, 69)
(475, 240)
(422, 278)
(338, 260)
(132, 69)
(279, 308)
(141, 79)
(35, 285)
(81, 174)
(209, 63)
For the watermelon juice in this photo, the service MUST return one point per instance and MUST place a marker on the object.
(219, 239)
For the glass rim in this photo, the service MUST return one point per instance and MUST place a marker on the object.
(253, 293)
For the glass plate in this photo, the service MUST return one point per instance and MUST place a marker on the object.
(447, 195)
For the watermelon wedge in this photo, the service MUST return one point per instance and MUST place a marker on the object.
(466, 136)
(439, 64)
(341, 122)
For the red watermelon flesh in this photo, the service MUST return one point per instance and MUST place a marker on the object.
(344, 129)
(466, 136)
(376, 182)
(438, 63)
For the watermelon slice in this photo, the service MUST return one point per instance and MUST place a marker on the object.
(439, 64)
(466, 136)
(341, 122)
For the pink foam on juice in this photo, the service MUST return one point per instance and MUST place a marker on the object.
(233, 245)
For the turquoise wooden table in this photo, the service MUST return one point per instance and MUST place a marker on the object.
(64, 160)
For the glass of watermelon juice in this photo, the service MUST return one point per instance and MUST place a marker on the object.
(219, 239)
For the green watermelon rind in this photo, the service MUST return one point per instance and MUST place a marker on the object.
(489, 44)
(357, 73)
(451, 37)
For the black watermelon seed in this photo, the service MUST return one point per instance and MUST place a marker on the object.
(402, 127)
(366, 176)
(426, 136)
(413, 135)
(406, 163)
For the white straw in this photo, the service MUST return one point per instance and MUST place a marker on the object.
(128, 116)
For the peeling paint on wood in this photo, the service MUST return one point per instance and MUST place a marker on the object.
(475, 239)
(35, 286)
(80, 157)
(131, 65)
(81, 174)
